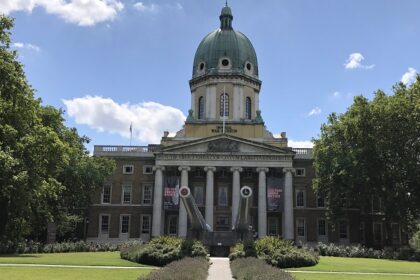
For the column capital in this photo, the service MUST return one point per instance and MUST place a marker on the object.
(184, 168)
(236, 168)
(288, 169)
(262, 169)
(158, 167)
(210, 168)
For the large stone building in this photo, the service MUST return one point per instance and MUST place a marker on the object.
(223, 146)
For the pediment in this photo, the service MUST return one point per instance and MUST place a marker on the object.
(226, 144)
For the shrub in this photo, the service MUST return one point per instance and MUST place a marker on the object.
(243, 250)
(162, 250)
(129, 250)
(185, 269)
(256, 269)
(358, 251)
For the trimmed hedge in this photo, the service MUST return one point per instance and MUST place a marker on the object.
(33, 247)
(256, 269)
(358, 251)
(185, 269)
(275, 251)
(162, 250)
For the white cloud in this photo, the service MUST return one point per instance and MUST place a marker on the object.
(81, 12)
(336, 94)
(28, 46)
(300, 144)
(409, 76)
(149, 119)
(314, 111)
(140, 6)
(355, 61)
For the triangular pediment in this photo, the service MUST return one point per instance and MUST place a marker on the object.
(224, 143)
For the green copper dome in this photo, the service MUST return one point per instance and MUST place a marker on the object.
(225, 51)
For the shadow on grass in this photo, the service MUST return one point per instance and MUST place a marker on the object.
(19, 256)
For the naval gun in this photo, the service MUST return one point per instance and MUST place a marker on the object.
(242, 222)
(198, 224)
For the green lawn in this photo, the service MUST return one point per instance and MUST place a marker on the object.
(359, 265)
(58, 273)
(88, 258)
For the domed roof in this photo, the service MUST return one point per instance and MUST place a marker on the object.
(225, 51)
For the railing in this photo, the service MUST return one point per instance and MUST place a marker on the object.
(303, 153)
(109, 150)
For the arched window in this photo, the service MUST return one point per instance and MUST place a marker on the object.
(201, 108)
(248, 108)
(224, 105)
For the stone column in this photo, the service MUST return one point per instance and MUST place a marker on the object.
(262, 202)
(157, 201)
(182, 218)
(235, 192)
(209, 194)
(288, 219)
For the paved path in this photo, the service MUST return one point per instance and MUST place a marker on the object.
(353, 273)
(220, 269)
(77, 266)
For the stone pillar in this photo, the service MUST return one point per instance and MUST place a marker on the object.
(288, 219)
(157, 201)
(262, 202)
(235, 192)
(209, 194)
(182, 218)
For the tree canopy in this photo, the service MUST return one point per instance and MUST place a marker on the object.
(47, 174)
(371, 152)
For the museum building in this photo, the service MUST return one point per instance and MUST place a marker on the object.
(222, 146)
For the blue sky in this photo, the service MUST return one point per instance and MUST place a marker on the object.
(112, 62)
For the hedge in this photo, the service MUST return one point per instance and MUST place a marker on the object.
(256, 269)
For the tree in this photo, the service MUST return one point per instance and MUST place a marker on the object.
(47, 174)
(373, 151)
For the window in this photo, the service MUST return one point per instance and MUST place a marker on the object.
(126, 194)
(147, 169)
(222, 172)
(273, 226)
(128, 169)
(300, 172)
(106, 194)
(199, 195)
(201, 108)
(377, 233)
(224, 105)
(147, 194)
(172, 225)
(125, 224)
(222, 223)
(320, 201)
(300, 227)
(362, 233)
(300, 198)
(248, 172)
(343, 229)
(396, 237)
(145, 224)
(222, 197)
(104, 222)
(248, 108)
(322, 227)
(376, 205)
(199, 172)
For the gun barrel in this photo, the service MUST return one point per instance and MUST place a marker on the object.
(242, 220)
(196, 218)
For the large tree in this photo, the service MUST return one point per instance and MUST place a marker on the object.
(373, 151)
(46, 174)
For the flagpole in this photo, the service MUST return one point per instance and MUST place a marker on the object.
(131, 132)
(224, 108)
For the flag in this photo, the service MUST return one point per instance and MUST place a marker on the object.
(131, 127)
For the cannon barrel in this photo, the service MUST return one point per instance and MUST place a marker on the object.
(194, 215)
(242, 220)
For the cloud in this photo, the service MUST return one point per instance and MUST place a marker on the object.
(300, 144)
(154, 8)
(149, 119)
(409, 76)
(314, 111)
(355, 61)
(28, 46)
(81, 12)
(336, 94)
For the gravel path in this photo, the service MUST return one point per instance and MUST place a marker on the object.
(220, 269)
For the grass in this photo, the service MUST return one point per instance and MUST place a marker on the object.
(59, 273)
(339, 264)
(85, 258)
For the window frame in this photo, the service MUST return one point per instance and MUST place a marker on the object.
(103, 192)
(347, 230)
(128, 172)
(325, 228)
(374, 235)
(248, 108)
(201, 106)
(224, 104)
(170, 217)
(318, 197)
(142, 228)
(128, 225)
(195, 195)
(398, 241)
(304, 227)
(219, 194)
(145, 171)
(300, 169)
(101, 221)
(123, 186)
(143, 194)
(303, 191)
(270, 222)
